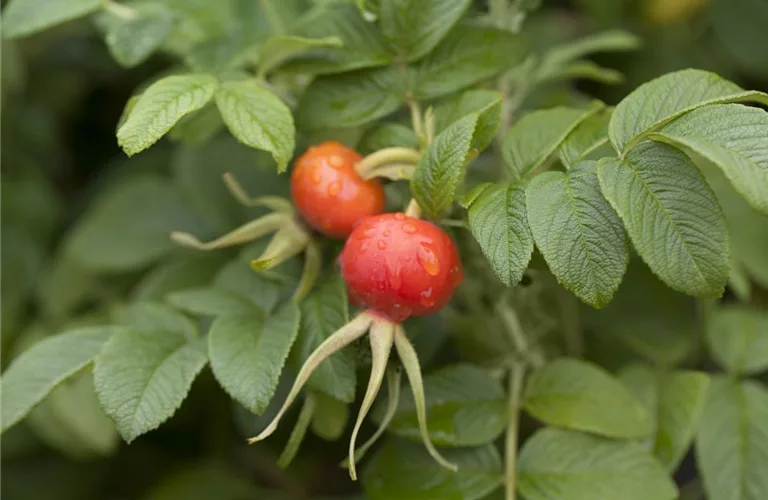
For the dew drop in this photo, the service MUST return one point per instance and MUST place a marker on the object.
(381, 244)
(409, 228)
(336, 161)
(456, 276)
(387, 232)
(399, 216)
(317, 177)
(428, 260)
(394, 276)
(334, 188)
(427, 300)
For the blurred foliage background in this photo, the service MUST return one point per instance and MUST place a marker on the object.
(62, 97)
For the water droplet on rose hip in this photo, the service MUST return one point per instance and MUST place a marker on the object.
(336, 161)
(334, 188)
(409, 228)
(428, 259)
(399, 216)
(387, 232)
(317, 178)
(381, 244)
(427, 300)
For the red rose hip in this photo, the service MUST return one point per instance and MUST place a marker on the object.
(400, 266)
(329, 193)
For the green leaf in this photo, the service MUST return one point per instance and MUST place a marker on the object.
(732, 442)
(538, 134)
(671, 215)
(351, 99)
(238, 277)
(142, 377)
(579, 395)
(203, 481)
(405, 471)
(486, 103)
(578, 233)
(154, 317)
(248, 353)
(71, 420)
(441, 168)
(362, 44)
(41, 368)
(565, 465)
(738, 339)
(211, 302)
(415, 27)
(586, 139)
(323, 312)
(660, 101)
(132, 41)
(675, 401)
(25, 17)
(387, 135)
(499, 222)
(733, 137)
(177, 274)
(278, 49)
(330, 417)
(258, 118)
(469, 54)
(465, 407)
(127, 227)
(163, 104)
(199, 127)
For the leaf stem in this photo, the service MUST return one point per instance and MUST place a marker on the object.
(516, 375)
(119, 10)
(517, 335)
(298, 432)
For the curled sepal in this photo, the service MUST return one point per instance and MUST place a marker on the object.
(274, 203)
(288, 241)
(392, 163)
(412, 369)
(381, 337)
(312, 263)
(336, 341)
(243, 234)
(298, 432)
(393, 398)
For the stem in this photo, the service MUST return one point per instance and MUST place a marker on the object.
(516, 375)
(517, 335)
(119, 10)
(416, 120)
(298, 433)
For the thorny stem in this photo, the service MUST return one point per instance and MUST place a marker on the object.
(298, 433)
(516, 375)
(381, 338)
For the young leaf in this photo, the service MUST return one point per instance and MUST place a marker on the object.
(278, 49)
(442, 167)
(127, 227)
(25, 17)
(362, 46)
(163, 104)
(578, 233)
(257, 118)
(738, 339)
(499, 222)
(557, 464)
(415, 27)
(351, 99)
(405, 470)
(142, 377)
(587, 138)
(732, 442)
(469, 54)
(323, 312)
(675, 401)
(248, 353)
(486, 103)
(671, 215)
(211, 302)
(732, 136)
(45, 365)
(660, 101)
(537, 135)
(465, 407)
(579, 395)
(132, 41)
